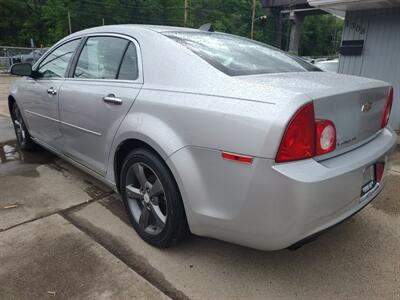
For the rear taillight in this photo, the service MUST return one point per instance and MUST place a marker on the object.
(298, 142)
(306, 137)
(326, 137)
(387, 110)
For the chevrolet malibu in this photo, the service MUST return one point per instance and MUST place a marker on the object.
(208, 133)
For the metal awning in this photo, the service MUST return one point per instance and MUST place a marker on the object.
(339, 7)
(308, 11)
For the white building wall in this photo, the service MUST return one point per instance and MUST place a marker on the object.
(380, 30)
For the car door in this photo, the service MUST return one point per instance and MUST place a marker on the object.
(40, 95)
(103, 84)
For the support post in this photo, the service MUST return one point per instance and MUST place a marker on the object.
(253, 17)
(185, 13)
(69, 22)
(295, 32)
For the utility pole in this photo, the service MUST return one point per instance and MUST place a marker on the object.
(253, 17)
(185, 13)
(69, 22)
(103, 21)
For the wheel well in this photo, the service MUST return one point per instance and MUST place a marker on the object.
(11, 103)
(121, 153)
(123, 150)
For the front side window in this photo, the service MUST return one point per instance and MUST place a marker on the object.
(100, 58)
(237, 56)
(56, 63)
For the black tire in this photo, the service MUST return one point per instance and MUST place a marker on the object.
(24, 139)
(175, 228)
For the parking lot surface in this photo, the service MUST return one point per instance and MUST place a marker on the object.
(63, 235)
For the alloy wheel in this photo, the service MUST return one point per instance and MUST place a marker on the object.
(19, 127)
(146, 198)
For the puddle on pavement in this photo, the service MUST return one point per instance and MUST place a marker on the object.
(15, 161)
(9, 151)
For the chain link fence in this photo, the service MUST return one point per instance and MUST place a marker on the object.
(12, 55)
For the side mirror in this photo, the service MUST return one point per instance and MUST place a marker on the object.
(21, 69)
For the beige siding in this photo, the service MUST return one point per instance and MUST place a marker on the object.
(380, 30)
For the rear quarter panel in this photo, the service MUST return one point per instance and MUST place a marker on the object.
(169, 121)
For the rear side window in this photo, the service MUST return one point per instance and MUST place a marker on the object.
(56, 63)
(129, 65)
(237, 56)
(100, 58)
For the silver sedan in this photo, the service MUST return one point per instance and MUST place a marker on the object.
(208, 133)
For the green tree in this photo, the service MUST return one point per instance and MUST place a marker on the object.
(46, 21)
(321, 36)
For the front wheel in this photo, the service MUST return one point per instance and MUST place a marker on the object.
(24, 139)
(152, 199)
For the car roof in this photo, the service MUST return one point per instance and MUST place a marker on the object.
(127, 27)
(130, 28)
(160, 28)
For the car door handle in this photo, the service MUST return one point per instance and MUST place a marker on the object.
(51, 91)
(111, 99)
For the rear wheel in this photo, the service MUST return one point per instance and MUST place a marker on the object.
(24, 139)
(152, 199)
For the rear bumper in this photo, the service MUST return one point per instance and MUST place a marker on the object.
(314, 236)
(272, 206)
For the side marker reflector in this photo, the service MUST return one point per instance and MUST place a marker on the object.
(239, 158)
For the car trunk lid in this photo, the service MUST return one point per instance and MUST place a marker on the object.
(354, 104)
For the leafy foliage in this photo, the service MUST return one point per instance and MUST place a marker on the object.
(46, 21)
(321, 35)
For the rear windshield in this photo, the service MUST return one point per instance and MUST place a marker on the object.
(238, 56)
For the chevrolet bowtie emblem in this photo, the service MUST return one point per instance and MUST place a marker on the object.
(366, 107)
